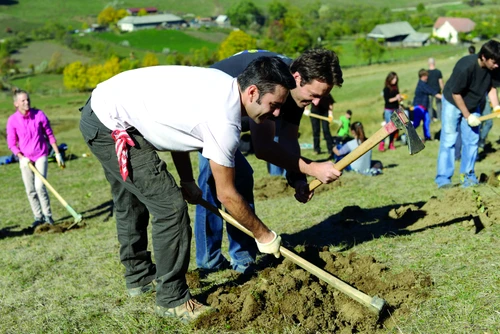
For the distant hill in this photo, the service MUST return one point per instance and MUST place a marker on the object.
(75, 12)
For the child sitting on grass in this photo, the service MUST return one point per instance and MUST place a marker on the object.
(364, 164)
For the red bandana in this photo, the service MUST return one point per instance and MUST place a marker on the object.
(121, 139)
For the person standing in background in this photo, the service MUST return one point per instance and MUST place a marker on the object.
(435, 81)
(391, 104)
(458, 144)
(472, 78)
(421, 106)
(28, 137)
(323, 108)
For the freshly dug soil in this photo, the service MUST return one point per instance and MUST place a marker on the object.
(282, 297)
(287, 297)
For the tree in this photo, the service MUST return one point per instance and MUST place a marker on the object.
(120, 14)
(107, 16)
(149, 59)
(55, 62)
(94, 76)
(110, 68)
(277, 10)
(244, 13)
(75, 76)
(236, 41)
(297, 40)
(369, 49)
(142, 12)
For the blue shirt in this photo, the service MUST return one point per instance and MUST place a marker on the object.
(422, 93)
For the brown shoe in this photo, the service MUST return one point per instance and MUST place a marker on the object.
(186, 312)
(148, 288)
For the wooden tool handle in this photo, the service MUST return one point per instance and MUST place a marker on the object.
(490, 116)
(324, 118)
(367, 145)
(338, 284)
(47, 184)
(78, 217)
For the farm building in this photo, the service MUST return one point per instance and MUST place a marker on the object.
(135, 11)
(223, 21)
(393, 34)
(218, 21)
(416, 39)
(133, 23)
(449, 27)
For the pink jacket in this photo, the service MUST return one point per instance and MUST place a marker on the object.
(29, 134)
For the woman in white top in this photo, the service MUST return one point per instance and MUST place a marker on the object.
(364, 164)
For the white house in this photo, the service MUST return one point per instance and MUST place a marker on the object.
(449, 27)
(223, 21)
(133, 23)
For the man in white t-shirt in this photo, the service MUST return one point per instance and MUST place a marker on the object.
(179, 109)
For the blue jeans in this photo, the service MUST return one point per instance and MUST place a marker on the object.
(208, 227)
(273, 169)
(452, 119)
(387, 119)
(421, 114)
(485, 125)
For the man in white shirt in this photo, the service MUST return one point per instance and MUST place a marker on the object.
(179, 109)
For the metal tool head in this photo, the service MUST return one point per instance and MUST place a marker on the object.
(377, 304)
(402, 122)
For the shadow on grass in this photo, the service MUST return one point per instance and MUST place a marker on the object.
(354, 225)
(11, 231)
(8, 2)
(105, 209)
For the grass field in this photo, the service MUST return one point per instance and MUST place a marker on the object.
(158, 40)
(349, 55)
(72, 282)
(35, 53)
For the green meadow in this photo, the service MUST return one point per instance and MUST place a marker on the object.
(72, 282)
(158, 40)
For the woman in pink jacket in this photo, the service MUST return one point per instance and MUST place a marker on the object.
(28, 137)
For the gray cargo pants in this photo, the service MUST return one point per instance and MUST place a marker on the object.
(149, 189)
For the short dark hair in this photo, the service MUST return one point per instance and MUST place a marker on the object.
(349, 112)
(472, 49)
(422, 72)
(266, 73)
(490, 50)
(318, 64)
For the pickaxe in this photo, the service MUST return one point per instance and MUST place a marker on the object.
(398, 121)
(374, 304)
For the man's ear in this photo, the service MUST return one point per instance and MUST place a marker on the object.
(297, 77)
(253, 93)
